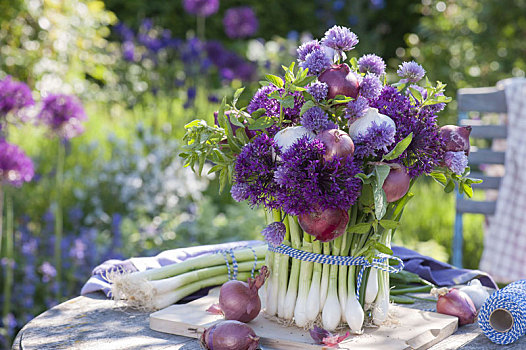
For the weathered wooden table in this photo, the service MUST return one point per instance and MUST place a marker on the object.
(94, 322)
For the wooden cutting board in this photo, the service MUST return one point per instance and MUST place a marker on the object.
(405, 329)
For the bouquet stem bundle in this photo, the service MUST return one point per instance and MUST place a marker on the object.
(158, 288)
(308, 293)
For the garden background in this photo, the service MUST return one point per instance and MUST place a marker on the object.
(143, 69)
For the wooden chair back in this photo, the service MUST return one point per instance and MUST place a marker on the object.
(482, 101)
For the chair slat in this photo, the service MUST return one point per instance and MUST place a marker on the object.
(487, 99)
(489, 131)
(488, 182)
(476, 207)
(485, 156)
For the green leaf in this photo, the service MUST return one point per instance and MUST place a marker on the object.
(399, 148)
(264, 83)
(262, 123)
(258, 113)
(275, 80)
(382, 248)
(360, 228)
(389, 224)
(242, 136)
(366, 197)
(223, 176)
(416, 94)
(287, 102)
(467, 189)
(306, 106)
(450, 186)
(354, 63)
(234, 120)
(215, 168)
(237, 94)
(439, 177)
(366, 179)
(305, 81)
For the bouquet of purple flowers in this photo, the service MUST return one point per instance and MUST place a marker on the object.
(331, 150)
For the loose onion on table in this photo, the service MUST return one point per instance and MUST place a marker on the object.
(454, 302)
(239, 300)
(230, 335)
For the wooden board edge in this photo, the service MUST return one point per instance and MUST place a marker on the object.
(431, 337)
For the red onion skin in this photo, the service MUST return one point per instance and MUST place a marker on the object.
(325, 225)
(240, 300)
(396, 184)
(459, 304)
(455, 138)
(230, 335)
(341, 81)
(337, 144)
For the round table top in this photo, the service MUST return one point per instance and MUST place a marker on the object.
(94, 322)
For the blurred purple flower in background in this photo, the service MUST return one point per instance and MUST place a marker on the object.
(203, 8)
(230, 65)
(48, 271)
(240, 22)
(14, 96)
(15, 167)
(128, 51)
(63, 114)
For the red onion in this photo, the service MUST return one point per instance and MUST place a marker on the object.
(396, 184)
(337, 144)
(325, 225)
(341, 81)
(455, 302)
(230, 335)
(240, 300)
(456, 138)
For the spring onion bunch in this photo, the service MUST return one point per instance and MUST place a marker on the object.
(330, 149)
(160, 287)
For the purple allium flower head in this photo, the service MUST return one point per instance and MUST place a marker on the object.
(314, 119)
(456, 161)
(15, 167)
(240, 22)
(411, 71)
(316, 62)
(203, 8)
(318, 90)
(377, 136)
(372, 64)
(308, 182)
(63, 114)
(425, 151)
(356, 109)
(370, 86)
(14, 96)
(261, 100)
(340, 38)
(307, 48)
(254, 172)
(274, 233)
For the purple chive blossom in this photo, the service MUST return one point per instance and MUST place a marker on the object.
(372, 64)
(14, 96)
(239, 192)
(370, 87)
(318, 90)
(314, 119)
(307, 181)
(425, 152)
(262, 100)
(411, 71)
(203, 8)
(63, 114)
(240, 22)
(316, 62)
(15, 167)
(254, 171)
(357, 108)
(307, 48)
(456, 161)
(376, 137)
(340, 38)
(274, 233)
